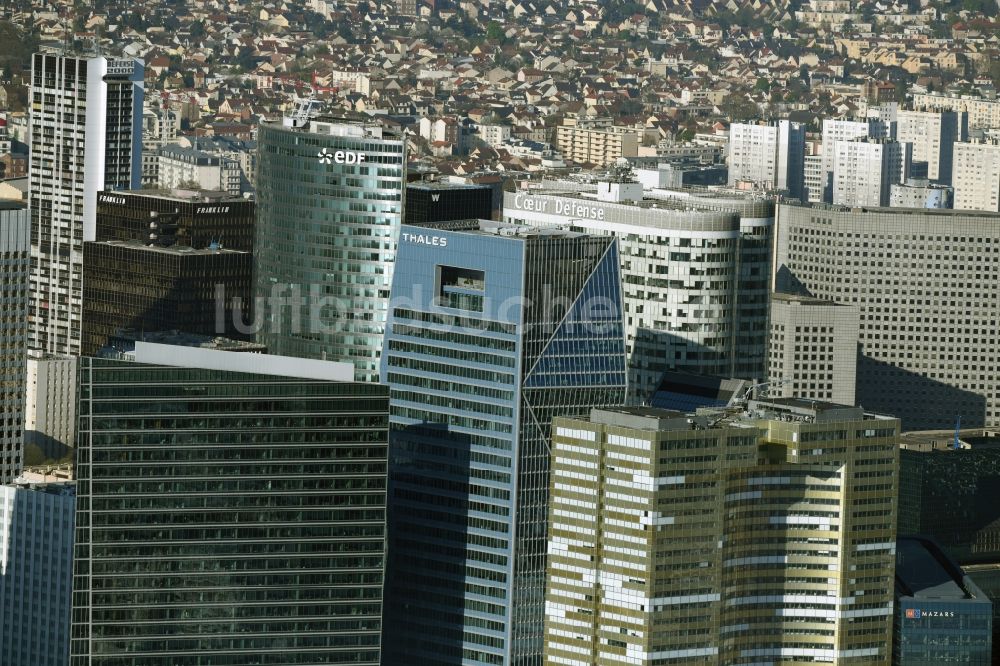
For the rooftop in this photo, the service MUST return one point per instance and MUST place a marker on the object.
(444, 185)
(924, 571)
(492, 228)
(185, 195)
(177, 250)
(802, 299)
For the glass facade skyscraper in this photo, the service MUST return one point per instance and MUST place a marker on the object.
(227, 517)
(494, 329)
(329, 206)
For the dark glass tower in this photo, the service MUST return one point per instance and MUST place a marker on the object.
(493, 330)
(227, 517)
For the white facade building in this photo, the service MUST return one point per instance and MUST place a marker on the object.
(86, 137)
(835, 131)
(50, 408)
(813, 349)
(36, 573)
(694, 274)
(15, 263)
(933, 135)
(768, 157)
(977, 176)
(180, 167)
(866, 169)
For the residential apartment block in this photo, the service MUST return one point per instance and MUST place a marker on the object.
(768, 157)
(599, 146)
(977, 176)
(865, 170)
(86, 136)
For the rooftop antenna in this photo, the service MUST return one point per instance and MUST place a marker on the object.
(958, 426)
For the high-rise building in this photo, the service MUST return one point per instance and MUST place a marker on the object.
(933, 135)
(15, 265)
(50, 406)
(928, 344)
(693, 271)
(835, 131)
(329, 204)
(494, 329)
(951, 493)
(769, 157)
(231, 509)
(596, 143)
(977, 176)
(732, 536)
(132, 285)
(36, 573)
(86, 136)
(191, 218)
(982, 113)
(813, 349)
(439, 201)
(865, 170)
(941, 615)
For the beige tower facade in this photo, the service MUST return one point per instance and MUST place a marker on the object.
(765, 534)
(813, 349)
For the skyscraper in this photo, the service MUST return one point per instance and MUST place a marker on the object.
(813, 349)
(768, 156)
(923, 282)
(329, 206)
(86, 136)
(759, 534)
(494, 329)
(36, 573)
(231, 509)
(15, 258)
(933, 135)
(693, 271)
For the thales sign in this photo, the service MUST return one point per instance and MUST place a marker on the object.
(421, 239)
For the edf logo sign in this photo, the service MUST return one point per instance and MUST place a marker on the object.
(340, 157)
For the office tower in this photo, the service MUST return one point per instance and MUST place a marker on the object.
(941, 615)
(728, 536)
(977, 176)
(231, 508)
(177, 217)
(693, 274)
(36, 572)
(329, 206)
(922, 282)
(134, 286)
(50, 406)
(919, 193)
(933, 135)
(813, 349)
(436, 201)
(769, 156)
(866, 169)
(494, 330)
(952, 494)
(835, 131)
(86, 136)
(15, 266)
